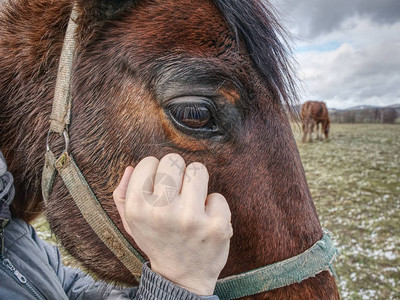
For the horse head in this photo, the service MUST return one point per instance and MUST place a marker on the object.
(327, 128)
(209, 80)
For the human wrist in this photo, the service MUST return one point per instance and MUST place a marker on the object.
(200, 284)
(197, 286)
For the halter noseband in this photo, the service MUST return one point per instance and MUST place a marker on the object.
(307, 264)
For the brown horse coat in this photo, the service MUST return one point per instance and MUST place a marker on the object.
(312, 114)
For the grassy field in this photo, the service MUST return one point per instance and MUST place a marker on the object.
(354, 178)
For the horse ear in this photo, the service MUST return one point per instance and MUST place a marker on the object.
(103, 9)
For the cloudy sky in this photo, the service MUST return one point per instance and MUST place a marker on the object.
(348, 51)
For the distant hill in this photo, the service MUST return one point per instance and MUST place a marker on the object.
(366, 114)
(358, 107)
(363, 114)
(395, 105)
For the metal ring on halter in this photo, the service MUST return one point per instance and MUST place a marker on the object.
(66, 140)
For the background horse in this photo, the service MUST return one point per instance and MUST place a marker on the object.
(140, 67)
(312, 114)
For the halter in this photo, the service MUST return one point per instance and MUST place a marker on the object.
(307, 264)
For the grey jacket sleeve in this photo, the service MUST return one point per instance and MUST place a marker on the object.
(78, 285)
(153, 286)
(75, 283)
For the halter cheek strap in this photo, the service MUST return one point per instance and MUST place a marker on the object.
(84, 198)
(316, 259)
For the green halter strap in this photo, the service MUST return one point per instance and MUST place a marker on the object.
(314, 260)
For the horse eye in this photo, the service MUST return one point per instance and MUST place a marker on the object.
(194, 116)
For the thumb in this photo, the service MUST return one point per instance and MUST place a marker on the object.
(119, 195)
(120, 191)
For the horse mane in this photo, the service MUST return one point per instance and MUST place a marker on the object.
(267, 42)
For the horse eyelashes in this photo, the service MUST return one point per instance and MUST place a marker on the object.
(193, 115)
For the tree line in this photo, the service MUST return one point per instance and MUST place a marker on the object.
(366, 115)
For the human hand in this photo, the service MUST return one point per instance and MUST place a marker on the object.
(185, 233)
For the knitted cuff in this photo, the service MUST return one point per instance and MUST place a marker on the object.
(154, 286)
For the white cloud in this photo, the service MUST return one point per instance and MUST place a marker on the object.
(311, 18)
(358, 71)
(351, 60)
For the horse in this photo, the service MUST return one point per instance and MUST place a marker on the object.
(207, 79)
(312, 114)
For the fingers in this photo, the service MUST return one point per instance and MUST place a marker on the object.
(217, 205)
(168, 180)
(195, 186)
(159, 182)
(141, 183)
(217, 209)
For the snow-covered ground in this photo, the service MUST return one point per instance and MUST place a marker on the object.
(355, 182)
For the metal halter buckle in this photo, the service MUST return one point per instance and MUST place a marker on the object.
(66, 140)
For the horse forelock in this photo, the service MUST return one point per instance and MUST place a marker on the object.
(267, 42)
